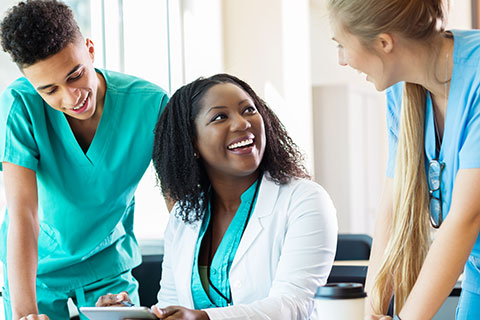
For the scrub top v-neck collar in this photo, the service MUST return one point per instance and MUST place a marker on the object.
(100, 140)
(430, 131)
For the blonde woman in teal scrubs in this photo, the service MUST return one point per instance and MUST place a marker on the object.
(432, 79)
(74, 143)
(250, 237)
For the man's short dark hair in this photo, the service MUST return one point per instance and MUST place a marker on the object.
(36, 29)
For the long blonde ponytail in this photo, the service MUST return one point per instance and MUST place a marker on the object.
(410, 234)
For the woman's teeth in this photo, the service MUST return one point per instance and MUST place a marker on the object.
(240, 144)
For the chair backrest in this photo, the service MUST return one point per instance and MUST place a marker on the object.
(148, 276)
(353, 247)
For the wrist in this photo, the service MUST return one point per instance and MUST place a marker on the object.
(23, 315)
(18, 313)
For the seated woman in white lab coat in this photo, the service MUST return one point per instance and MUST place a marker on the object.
(249, 236)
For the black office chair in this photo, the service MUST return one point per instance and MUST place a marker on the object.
(148, 275)
(353, 247)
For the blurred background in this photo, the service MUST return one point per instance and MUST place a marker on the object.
(283, 48)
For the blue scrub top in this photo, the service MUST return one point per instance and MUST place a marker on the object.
(85, 200)
(223, 258)
(460, 147)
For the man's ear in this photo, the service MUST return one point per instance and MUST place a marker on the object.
(90, 48)
(384, 43)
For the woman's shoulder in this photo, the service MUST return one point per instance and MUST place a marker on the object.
(305, 199)
(466, 46)
(121, 83)
(301, 189)
(468, 38)
(177, 222)
(301, 183)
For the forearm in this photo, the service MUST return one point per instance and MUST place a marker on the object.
(375, 260)
(380, 240)
(22, 266)
(22, 249)
(443, 265)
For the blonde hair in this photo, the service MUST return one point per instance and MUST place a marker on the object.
(409, 239)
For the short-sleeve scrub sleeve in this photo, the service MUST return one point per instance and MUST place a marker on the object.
(394, 103)
(17, 140)
(469, 155)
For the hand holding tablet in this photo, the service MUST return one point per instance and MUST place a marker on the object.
(116, 307)
(117, 313)
(120, 307)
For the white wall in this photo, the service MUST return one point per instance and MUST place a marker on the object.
(203, 38)
(267, 44)
(325, 67)
(350, 135)
(9, 71)
(349, 146)
(460, 16)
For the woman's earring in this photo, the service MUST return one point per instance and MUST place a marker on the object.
(196, 156)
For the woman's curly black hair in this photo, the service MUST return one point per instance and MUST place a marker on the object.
(36, 29)
(182, 177)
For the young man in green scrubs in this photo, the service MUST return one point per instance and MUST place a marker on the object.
(74, 143)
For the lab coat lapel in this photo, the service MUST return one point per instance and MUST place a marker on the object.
(267, 196)
(183, 269)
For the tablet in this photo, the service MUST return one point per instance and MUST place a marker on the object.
(117, 313)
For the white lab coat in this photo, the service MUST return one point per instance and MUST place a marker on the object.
(285, 254)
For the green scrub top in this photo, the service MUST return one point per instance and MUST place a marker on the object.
(204, 298)
(85, 200)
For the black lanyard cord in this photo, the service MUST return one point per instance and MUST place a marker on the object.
(229, 299)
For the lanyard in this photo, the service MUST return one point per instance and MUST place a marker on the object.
(229, 298)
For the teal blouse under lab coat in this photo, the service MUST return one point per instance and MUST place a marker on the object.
(222, 261)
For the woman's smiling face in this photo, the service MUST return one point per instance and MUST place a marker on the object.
(352, 52)
(230, 131)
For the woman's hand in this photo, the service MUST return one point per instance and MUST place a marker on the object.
(177, 312)
(114, 300)
(35, 317)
